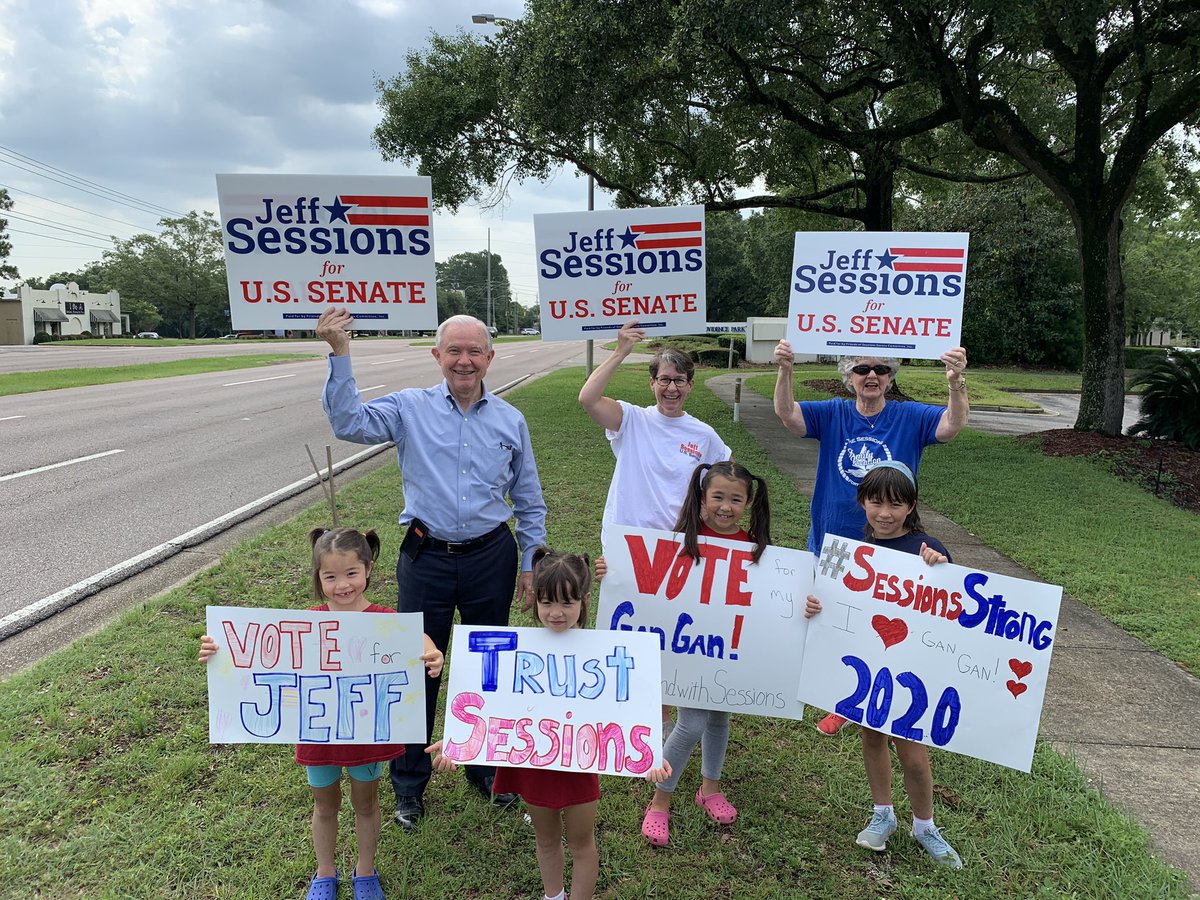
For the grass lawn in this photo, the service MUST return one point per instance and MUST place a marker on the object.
(57, 379)
(110, 788)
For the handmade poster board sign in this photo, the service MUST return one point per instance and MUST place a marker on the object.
(287, 676)
(600, 270)
(877, 293)
(731, 631)
(577, 701)
(297, 244)
(942, 655)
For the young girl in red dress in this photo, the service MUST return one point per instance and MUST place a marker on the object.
(342, 560)
(557, 800)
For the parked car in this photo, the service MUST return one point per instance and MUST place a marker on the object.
(493, 330)
(530, 331)
(148, 334)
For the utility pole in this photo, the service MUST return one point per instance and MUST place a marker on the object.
(490, 316)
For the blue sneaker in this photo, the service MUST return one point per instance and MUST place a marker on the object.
(881, 827)
(937, 847)
(323, 888)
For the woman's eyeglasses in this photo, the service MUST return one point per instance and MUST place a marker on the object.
(878, 370)
(664, 381)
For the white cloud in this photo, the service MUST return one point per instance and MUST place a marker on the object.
(153, 98)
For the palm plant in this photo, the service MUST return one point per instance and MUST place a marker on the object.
(1170, 399)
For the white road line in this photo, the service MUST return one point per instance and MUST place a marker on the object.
(508, 356)
(257, 380)
(373, 387)
(394, 359)
(58, 465)
(6, 418)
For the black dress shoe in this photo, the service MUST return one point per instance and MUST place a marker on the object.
(409, 811)
(484, 786)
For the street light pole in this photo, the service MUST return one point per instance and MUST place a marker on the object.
(589, 353)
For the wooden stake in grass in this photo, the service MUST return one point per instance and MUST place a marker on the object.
(327, 489)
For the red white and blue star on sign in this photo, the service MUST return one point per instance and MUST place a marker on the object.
(368, 209)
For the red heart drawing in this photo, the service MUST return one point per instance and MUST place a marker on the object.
(1020, 669)
(1017, 688)
(891, 631)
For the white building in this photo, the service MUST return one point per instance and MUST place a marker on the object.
(62, 310)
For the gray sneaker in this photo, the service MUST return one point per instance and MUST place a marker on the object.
(881, 827)
(937, 847)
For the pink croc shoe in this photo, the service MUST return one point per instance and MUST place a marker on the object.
(656, 827)
(718, 808)
(831, 724)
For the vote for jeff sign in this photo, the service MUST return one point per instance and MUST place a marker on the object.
(284, 676)
(296, 244)
(942, 655)
(731, 630)
(600, 270)
(581, 701)
(877, 293)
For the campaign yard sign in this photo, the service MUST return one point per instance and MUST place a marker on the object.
(943, 655)
(296, 244)
(886, 293)
(599, 270)
(285, 676)
(575, 701)
(731, 631)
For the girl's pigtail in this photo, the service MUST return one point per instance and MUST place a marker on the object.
(688, 522)
(315, 535)
(760, 517)
(373, 542)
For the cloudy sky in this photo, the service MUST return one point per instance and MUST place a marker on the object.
(114, 113)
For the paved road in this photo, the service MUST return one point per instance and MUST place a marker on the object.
(91, 477)
(1059, 411)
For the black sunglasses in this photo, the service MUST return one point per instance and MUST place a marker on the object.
(878, 370)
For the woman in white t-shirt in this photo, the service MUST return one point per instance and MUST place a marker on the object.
(657, 447)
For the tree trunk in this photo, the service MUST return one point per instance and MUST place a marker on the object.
(1102, 400)
(879, 185)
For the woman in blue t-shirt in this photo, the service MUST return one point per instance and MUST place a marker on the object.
(857, 434)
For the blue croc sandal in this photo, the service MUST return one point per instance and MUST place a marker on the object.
(367, 887)
(323, 888)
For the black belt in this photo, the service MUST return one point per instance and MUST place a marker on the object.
(458, 548)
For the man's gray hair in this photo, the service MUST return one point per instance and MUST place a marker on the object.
(463, 320)
(846, 363)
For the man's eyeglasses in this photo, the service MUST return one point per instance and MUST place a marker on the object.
(664, 381)
(878, 370)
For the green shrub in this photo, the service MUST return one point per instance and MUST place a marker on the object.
(1170, 399)
(42, 337)
(715, 356)
(84, 335)
(1141, 357)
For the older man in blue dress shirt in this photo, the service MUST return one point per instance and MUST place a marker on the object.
(462, 452)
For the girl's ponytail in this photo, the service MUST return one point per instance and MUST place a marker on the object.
(688, 523)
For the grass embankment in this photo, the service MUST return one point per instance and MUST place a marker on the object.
(110, 788)
(58, 379)
(1108, 543)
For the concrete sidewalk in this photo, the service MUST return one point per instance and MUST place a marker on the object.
(1128, 715)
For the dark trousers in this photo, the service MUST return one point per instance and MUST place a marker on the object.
(480, 586)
